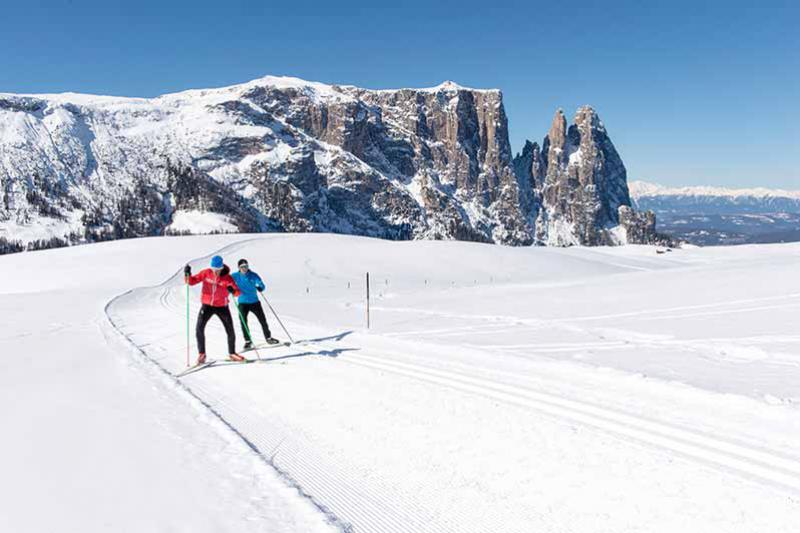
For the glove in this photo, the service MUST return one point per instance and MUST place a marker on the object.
(260, 289)
(230, 289)
(187, 270)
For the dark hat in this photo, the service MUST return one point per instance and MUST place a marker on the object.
(242, 262)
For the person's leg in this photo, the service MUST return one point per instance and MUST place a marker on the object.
(225, 315)
(262, 319)
(245, 310)
(200, 329)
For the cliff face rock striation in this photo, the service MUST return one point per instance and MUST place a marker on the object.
(581, 186)
(282, 154)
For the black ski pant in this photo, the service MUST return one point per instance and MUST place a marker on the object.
(262, 319)
(224, 314)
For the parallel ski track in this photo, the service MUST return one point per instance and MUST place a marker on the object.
(361, 499)
(754, 462)
(688, 311)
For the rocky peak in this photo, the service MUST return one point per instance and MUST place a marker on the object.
(449, 85)
(557, 136)
(558, 127)
(528, 164)
(583, 183)
(586, 119)
(530, 168)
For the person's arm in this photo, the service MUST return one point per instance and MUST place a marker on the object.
(259, 283)
(195, 279)
(230, 285)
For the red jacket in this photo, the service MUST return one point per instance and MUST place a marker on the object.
(215, 288)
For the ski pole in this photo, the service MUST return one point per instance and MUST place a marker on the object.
(276, 316)
(188, 341)
(244, 324)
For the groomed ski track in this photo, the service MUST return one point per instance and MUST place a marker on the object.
(337, 492)
(212, 406)
(365, 500)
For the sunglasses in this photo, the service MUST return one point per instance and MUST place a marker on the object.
(244, 267)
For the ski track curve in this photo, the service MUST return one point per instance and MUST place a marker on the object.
(117, 326)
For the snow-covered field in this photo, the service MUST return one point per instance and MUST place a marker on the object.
(498, 389)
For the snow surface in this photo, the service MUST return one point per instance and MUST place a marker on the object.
(640, 189)
(445, 86)
(499, 389)
(94, 438)
(43, 228)
(575, 158)
(200, 222)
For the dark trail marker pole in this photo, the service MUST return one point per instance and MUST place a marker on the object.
(367, 300)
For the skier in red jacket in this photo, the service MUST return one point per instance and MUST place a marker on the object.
(217, 284)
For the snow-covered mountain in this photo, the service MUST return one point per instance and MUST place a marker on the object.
(717, 215)
(283, 154)
(682, 199)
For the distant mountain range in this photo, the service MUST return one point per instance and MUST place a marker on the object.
(716, 215)
(283, 154)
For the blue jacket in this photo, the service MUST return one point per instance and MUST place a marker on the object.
(249, 284)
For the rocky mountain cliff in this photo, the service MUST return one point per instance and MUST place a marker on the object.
(580, 190)
(282, 154)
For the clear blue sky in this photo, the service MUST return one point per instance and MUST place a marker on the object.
(691, 92)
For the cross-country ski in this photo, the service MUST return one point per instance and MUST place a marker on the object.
(196, 367)
(214, 362)
(267, 346)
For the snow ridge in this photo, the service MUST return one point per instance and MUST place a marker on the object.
(639, 189)
(208, 95)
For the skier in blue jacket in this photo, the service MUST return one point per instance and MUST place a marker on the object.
(250, 284)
